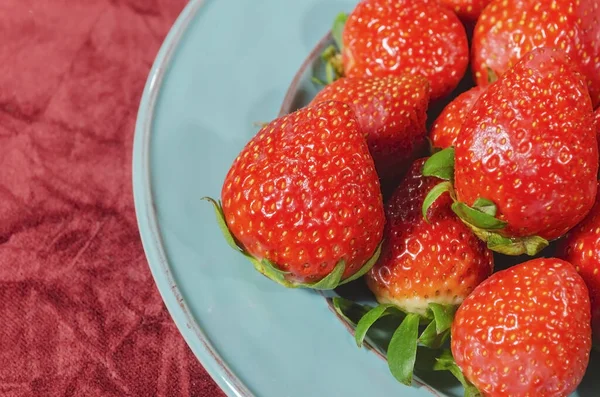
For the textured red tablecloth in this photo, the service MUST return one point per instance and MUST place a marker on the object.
(79, 312)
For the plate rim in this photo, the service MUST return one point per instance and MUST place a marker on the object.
(146, 215)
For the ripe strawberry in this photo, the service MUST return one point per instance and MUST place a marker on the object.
(467, 10)
(581, 247)
(426, 268)
(421, 261)
(392, 112)
(446, 127)
(529, 146)
(303, 195)
(525, 331)
(393, 37)
(597, 120)
(508, 29)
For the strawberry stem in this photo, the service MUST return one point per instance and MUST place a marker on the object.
(445, 362)
(337, 30)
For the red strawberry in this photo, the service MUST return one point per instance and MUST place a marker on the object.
(426, 268)
(467, 10)
(448, 124)
(392, 112)
(508, 29)
(581, 247)
(304, 196)
(529, 146)
(438, 260)
(597, 120)
(525, 331)
(393, 37)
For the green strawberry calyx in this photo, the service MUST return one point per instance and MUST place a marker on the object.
(270, 270)
(481, 216)
(414, 332)
(445, 362)
(331, 56)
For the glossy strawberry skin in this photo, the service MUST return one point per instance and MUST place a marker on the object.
(392, 37)
(392, 112)
(421, 262)
(508, 29)
(525, 331)
(304, 194)
(529, 145)
(581, 248)
(446, 127)
(467, 10)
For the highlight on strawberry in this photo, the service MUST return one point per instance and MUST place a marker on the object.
(514, 168)
(425, 270)
(525, 331)
(509, 29)
(391, 112)
(407, 37)
(302, 201)
(526, 159)
(580, 248)
(448, 124)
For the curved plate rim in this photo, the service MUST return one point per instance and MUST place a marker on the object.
(146, 214)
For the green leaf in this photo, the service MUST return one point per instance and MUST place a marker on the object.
(491, 75)
(317, 81)
(268, 269)
(334, 69)
(486, 206)
(433, 195)
(477, 218)
(331, 281)
(223, 224)
(328, 53)
(431, 339)
(443, 316)
(369, 319)
(510, 246)
(366, 267)
(531, 245)
(441, 165)
(445, 362)
(330, 76)
(349, 311)
(402, 351)
(338, 29)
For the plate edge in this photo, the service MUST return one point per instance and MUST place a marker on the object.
(147, 218)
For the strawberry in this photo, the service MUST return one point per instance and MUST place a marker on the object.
(393, 37)
(581, 247)
(597, 120)
(392, 112)
(446, 127)
(467, 10)
(303, 201)
(425, 269)
(526, 158)
(525, 331)
(422, 261)
(508, 29)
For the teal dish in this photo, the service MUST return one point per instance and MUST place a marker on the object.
(221, 69)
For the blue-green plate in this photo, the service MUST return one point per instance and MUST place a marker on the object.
(224, 66)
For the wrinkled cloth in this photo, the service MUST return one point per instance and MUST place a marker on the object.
(81, 315)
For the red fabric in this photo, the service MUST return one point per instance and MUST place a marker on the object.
(80, 314)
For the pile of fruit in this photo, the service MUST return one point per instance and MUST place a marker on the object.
(361, 183)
